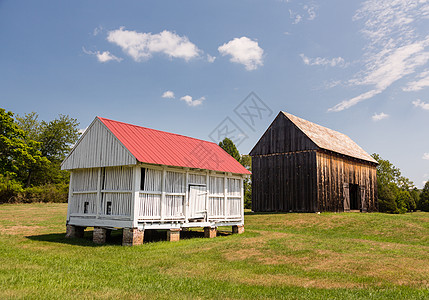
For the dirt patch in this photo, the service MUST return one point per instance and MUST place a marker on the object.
(20, 230)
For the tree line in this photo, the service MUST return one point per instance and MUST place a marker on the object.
(396, 193)
(31, 151)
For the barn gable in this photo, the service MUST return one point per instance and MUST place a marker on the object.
(98, 147)
(282, 136)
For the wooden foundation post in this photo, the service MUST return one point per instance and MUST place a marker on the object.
(210, 232)
(132, 237)
(238, 229)
(173, 235)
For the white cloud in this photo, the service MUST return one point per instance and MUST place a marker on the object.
(295, 17)
(97, 30)
(141, 46)
(426, 156)
(190, 102)
(308, 10)
(419, 84)
(168, 94)
(311, 11)
(243, 51)
(319, 61)
(210, 58)
(349, 103)
(420, 103)
(380, 116)
(104, 56)
(395, 49)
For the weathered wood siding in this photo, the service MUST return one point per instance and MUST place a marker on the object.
(282, 137)
(334, 172)
(98, 147)
(284, 182)
(291, 173)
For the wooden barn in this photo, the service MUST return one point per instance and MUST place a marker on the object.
(299, 166)
(136, 178)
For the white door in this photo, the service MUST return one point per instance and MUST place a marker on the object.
(197, 202)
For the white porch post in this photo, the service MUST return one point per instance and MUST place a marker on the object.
(164, 173)
(207, 195)
(225, 183)
(136, 196)
(186, 201)
(242, 198)
(70, 197)
(98, 203)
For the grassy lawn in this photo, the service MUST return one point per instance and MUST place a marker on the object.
(292, 256)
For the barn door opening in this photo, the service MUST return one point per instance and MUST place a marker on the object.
(354, 197)
(196, 210)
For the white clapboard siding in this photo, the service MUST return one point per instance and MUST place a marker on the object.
(217, 186)
(118, 179)
(233, 203)
(174, 182)
(98, 147)
(150, 196)
(121, 203)
(216, 205)
(197, 178)
(152, 181)
(173, 206)
(85, 180)
(84, 190)
(149, 207)
(216, 197)
(234, 187)
(77, 203)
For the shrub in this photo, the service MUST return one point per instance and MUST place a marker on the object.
(57, 193)
(9, 189)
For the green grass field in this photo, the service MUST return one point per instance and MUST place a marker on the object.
(292, 256)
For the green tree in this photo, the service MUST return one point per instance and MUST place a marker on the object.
(386, 171)
(415, 194)
(230, 148)
(404, 202)
(394, 190)
(18, 153)
(246, 161)
(55, 139)
(424, 198)
(386, 198)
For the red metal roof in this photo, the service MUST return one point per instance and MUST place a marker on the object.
(164, 148)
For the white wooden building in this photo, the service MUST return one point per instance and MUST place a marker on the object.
(136, 178)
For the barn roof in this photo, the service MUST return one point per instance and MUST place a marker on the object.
(329, 139)
(164, 148)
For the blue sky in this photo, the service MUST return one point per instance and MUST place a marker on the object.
(361, 68)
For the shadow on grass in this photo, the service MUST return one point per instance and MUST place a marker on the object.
(115, 237)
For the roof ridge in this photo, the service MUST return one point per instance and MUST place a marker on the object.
(353, 150)
(286, 113)
(181, 135)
